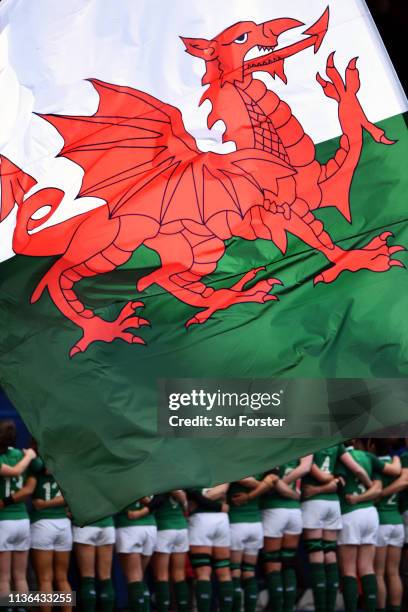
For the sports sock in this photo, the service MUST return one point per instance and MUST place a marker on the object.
(393, 609)
(289, 589)
(106, 595)
(181, 594)
(203, 595)
(162, 590)
(250, 594)
(318, 577)
(275, 591)
(136, 596)
(350, 593)
(369, 586)
(146, 597)
(237, 594)
(332, 586)
(225, 595)
(88, 594)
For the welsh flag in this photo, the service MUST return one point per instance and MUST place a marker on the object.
(197, 192)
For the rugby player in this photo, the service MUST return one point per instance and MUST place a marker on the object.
(15, 488)
(169, 559)
(209, 537)
(51, 533)
(390, 536)
(321, 517)
(136, 534)
(358, 535)
(94, 554)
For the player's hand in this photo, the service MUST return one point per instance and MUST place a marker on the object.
(240, 499)
(225, 508)
(352, 499)
(308, 491)
(30, 452)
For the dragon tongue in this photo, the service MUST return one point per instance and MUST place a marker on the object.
(278, 68)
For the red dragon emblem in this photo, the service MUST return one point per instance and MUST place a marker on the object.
(161, 191)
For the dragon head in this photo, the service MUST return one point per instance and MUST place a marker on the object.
(248, 47)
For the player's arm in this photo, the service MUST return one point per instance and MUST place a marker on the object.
(250, 482)
(320, 475)
(286, 491)
(21, 495)
(370, 495)
(400, 484)
(266, 485)
(301, 470)
(179, 496)
(218, 492)
(56, 502)
(310, 490)
(137, 514)
(352, 465)
(393, 468)
(10, 471)
(202, 501)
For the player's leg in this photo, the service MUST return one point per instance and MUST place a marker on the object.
(331, 567)
(104, 557)
(365, 565)
(394, 583)
(249, 582)
(161, 564)
(178, 575)
(131, 564)
(149, 543)
(379, 569)
(313, 540)
(19, 561)
(273, 568)
(221, 564)
(61, 567)
(85, 556)
(236, 560)
(290, 545)
(200, 557)
(348, 569)
(5, 570)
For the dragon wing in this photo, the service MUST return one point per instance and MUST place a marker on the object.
(138, 157)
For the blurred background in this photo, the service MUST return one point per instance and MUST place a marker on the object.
(391, 17)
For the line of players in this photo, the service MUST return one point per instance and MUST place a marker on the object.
(329, 497)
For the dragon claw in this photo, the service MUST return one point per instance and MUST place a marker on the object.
(330, 60)
(352, 63)
(385, 235)
(318, 279)
(396, 262)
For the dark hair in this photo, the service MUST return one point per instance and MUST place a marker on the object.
(8, 435)
(381, 445)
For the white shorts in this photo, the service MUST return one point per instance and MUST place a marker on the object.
(94, 536)
(209, 529)
(278, 521)
(359, 527)
(321, 514)
(405, 519)
(390, 535)
(247, 537)
(136, 539)
(15, 535)
(52, 534)
(172, 541)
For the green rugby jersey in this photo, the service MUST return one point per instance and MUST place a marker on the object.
(273, 499)
(247, 513)
(10, 485)
(372, 465)
(170, 515)
(46, 489)
(403, 498)
(325, 460)
(388, 507)
(122, 519)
